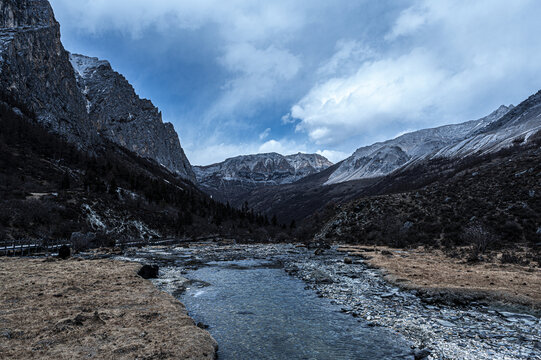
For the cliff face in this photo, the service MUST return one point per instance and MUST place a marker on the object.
(126, 119)
(35, 70)
(76, 96)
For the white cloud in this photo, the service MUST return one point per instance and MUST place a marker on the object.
(265, 134)
(213, 152)
(378, 93)
(283, 147)
(256, 72)
(409, 21)
(332, 155)
(238, 20)
(287, 119)
(348, 55)
(244, 32)
(444, 61)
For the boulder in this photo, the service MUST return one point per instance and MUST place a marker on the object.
(149, 271)
(64, 252)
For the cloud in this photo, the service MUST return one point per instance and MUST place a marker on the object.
(378, 93)
(265, 134)
(236, 19)
(440, 62)
(246, 36)
(332, 155)
(256, 75)
(213, 152)
(409, 21)
(349, 53)
(283, 147)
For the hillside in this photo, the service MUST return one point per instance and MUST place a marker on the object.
(491, 201)
(50, 189)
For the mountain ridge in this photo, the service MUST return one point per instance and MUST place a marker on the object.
(84, 100)
(382, 158)
(232, 177)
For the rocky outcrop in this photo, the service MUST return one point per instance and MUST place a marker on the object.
(35, 72)
(123, 117)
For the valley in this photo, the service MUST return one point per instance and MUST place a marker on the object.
(423, 246)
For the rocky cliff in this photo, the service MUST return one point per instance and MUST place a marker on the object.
(123, 117)
(35, 72)
(76, 96)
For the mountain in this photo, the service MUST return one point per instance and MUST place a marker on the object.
(124, 118)
(491, 200)
(382, 158)
(35, 71)
(75, 96)
(406, 163)
(233, 177)
(82, 157)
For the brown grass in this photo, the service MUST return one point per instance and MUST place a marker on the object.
(92, 309)
(421, 269)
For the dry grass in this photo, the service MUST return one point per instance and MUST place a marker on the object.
(423, 269)
(92, 309)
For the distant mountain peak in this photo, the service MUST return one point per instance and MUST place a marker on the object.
(245, 172)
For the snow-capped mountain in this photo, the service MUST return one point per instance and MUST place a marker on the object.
(516, 126)
(267, 169)
(385, 157)
(123, 117)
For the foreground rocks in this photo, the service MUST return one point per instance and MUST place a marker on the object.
(101, 309)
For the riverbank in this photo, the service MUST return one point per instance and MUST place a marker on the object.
(64, 309)
(438, 277)
(471, 331)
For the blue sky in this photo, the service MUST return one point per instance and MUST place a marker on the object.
(245, 76)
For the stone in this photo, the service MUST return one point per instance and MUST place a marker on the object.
(348, 260)
(320, 277)
(149, 271)
(64, 252)
(445, 323)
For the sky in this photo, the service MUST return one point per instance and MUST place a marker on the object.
(247, 76)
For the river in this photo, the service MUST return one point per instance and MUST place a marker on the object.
(284, 302)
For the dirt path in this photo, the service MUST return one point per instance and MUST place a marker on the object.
(92, 309)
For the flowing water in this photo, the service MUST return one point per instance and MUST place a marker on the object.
(256, 311)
